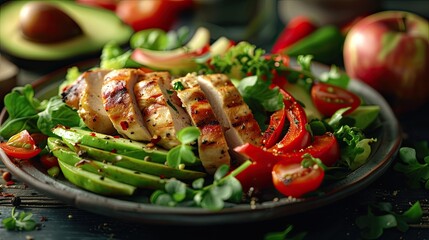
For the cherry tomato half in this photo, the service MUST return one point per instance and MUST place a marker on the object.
(329, 98)
(21, 145)
(295, 180)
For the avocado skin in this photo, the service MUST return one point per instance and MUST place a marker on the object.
(99, 25)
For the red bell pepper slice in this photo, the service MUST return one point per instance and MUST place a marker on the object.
(324, 147)
(297, 135)
(295, 30)
(274, 130)
(257, 175)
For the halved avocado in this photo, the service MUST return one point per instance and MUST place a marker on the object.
(99, 26)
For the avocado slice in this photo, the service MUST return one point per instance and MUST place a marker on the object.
(99, 26)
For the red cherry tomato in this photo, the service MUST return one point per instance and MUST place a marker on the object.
(329, 98)
(21, 145)
(295, 180)
(151, 14)
(49, 161)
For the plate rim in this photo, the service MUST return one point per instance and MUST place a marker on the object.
(149, 213)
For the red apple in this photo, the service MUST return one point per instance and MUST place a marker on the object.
(389, 50)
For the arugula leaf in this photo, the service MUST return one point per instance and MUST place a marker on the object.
(183, 153)
(19, 221)
(372, 226)
(417, 172)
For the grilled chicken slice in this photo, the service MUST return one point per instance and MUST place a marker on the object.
(180, 116)
(120, 103)
(91, 108)
(72, 93)
(154, 109)
(212, 146)
(233, 113)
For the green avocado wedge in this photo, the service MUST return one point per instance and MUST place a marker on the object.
(99, 26)
(104, 170)
(111, 143)
(137, 164)
(94, 183)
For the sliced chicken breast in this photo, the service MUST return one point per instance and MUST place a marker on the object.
(233, 113)
(180, 117)
(72, 93)
(121, 106)
(212, 146)
(154, 109)
(91, 108)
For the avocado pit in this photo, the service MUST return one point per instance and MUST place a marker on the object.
(45, 23)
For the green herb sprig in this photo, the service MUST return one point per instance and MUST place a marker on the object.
(183, 153)
(414, 163)
(19, 221)
(225, 188)
(373, 225)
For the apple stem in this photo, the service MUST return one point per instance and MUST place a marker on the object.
(403, 24)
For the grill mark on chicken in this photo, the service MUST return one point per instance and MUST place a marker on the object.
(72, 93)
(212, 146)
(91, 108)
(121, 105)
(231, 110)
(155, 112)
